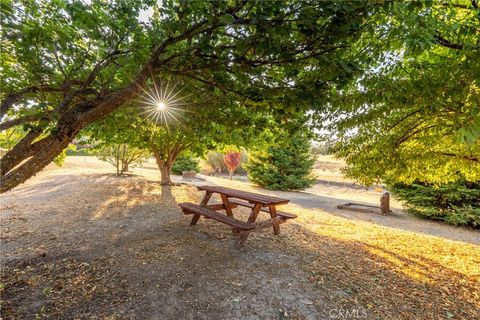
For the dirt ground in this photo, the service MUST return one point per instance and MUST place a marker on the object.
(79, 243)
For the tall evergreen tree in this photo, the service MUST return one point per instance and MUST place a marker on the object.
(286, 165)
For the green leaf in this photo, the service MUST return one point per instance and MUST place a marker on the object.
(226, 19)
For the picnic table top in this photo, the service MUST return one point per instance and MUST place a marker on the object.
(249, 196)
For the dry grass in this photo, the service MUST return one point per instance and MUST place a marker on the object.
(328, 168)
(396, 273)
(92, 246)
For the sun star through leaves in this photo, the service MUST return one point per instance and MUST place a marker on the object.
(162, 103)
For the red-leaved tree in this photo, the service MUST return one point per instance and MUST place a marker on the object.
(232, 161)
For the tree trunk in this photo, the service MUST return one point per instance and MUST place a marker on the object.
(117, 159)
(162, 166)
(15, 170)
(53, 146)
(20, 151)
(123, 159)
(165, 173)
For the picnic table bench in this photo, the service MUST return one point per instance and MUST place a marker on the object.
(232, 198)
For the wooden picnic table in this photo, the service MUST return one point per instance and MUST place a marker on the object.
(232, 198)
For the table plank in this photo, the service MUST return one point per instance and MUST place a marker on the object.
(191, 208)
(285, 215)
(249, 196)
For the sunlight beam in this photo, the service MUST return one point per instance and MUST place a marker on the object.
(162, 104)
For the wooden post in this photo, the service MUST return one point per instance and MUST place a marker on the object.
(385, 203)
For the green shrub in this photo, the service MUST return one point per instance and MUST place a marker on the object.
(286, 166)
(455, 203)
(185, 163)
(214, 162)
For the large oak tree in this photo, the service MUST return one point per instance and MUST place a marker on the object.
(68, 64)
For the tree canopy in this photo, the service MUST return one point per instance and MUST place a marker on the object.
(68, 64)
(191, 124)
(414, 115)
(398, 80)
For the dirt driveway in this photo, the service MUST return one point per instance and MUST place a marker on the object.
(78, 243)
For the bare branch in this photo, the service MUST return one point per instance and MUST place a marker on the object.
(59, 63)
(408, 115)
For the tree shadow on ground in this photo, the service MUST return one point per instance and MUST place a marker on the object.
(140, 259)
(396, 219)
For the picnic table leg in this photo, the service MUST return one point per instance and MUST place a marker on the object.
(203, 203)
(275, 224)
(195, 219)
(244, 234)
(227, 206)
(228, 209)
(206, 198)
(242, 238)
(254, 213)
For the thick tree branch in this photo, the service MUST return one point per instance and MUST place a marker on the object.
(21, 151)
(13, 98)
(47, 149)
(21, 120)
